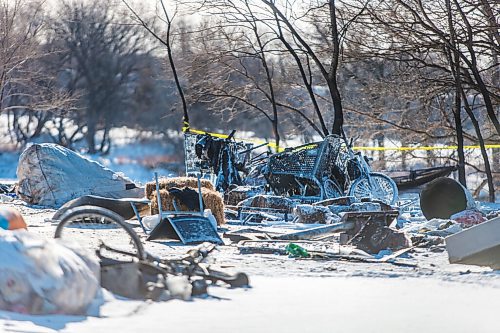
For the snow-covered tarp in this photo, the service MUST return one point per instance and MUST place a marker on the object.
(51, 175)
(41, 276)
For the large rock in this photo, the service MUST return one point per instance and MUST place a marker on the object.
(42, 276)
(50, 175)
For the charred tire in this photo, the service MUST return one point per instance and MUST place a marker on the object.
(94, 215)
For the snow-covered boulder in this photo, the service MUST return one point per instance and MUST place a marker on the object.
(42, 276)
(50, 175)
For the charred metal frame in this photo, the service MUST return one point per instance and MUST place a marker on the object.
(311, 165)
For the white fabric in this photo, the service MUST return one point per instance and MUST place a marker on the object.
(43, 276)
(51, 175)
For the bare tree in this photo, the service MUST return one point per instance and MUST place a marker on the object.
(29, 94)
(166, 40)
(445, 44)
(99, 58)
(292, 30)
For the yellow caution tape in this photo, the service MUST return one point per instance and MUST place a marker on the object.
(225, 136)
(279, 149)
(185, 126)
(424, 148)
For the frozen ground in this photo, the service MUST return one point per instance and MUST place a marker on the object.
(422, 293)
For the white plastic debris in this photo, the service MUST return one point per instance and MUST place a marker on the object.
(208, 214)
(151, 221)
(434, 227)
(5, 198)
(42, 276)
(179, 287)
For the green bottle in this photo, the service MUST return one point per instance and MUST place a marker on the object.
(296, 251)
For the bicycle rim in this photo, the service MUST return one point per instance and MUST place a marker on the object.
(381, 189)
(88, 227)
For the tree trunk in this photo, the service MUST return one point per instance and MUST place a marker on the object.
(90, 136)
(338, 121)
(381, 153)
(167, 42)
(105, 143)
(460, 139)
(454, 61)
(472, 63)
(276, 134)
(484, 153)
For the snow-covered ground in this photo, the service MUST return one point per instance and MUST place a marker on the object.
(423, 292)
(296, 304)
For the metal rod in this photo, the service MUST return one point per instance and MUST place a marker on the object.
(230, 136)
(319, 231)
(200, 198)
(158, 196)
(174, 203)
(139, 218)
(253, 148)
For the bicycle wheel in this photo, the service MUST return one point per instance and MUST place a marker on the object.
(382, 188)
(331, 189)
(90, 226)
